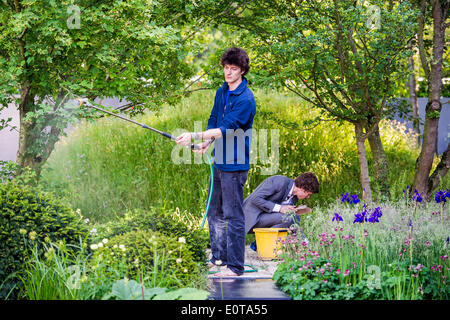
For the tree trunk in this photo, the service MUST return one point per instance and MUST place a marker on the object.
(434, 78)
(439, 173)
(413, 99)
(32, 153)
(363, 166)
(24, 158)
(27, 137)
(424, 162)
(381, 165)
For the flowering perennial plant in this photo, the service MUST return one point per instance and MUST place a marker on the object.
(386, 253)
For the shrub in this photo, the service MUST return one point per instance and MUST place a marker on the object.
(31, 217)
(173, 224)
(140, 253)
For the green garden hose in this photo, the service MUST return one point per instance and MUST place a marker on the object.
(211, 186)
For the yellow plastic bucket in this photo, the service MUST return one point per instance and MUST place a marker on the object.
(268, 241)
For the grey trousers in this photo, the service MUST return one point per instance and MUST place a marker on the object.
(278, 220)
(275, 220)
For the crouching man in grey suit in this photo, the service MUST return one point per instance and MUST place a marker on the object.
(267, 206)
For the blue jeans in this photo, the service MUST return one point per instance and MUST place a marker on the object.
(226, 219)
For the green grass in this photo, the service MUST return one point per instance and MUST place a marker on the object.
(110, 166)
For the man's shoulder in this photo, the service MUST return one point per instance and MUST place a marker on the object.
(279, 179)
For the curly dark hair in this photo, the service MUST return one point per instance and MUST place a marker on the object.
(308, 182)
(237, 57)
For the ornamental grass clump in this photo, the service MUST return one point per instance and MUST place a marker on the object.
(377, 251)
(30, 218)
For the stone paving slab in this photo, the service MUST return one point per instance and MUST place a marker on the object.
(252, 285)
(245, 289)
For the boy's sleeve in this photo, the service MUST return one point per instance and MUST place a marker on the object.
(212, 121)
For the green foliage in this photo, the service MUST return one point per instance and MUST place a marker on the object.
(7, 170)
(30, 216)
(59, 50)
(175, 225)
(125, 289)
(319, 281)
(345, 53)
(147, 252)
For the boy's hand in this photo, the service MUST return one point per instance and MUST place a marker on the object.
(184, 139)
(203, 147)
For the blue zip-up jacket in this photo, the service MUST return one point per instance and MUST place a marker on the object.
(235, 120)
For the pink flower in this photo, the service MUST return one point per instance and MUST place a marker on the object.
(346, 273)
(338, 271)
(428, 243)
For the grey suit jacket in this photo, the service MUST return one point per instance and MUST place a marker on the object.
(271, 191)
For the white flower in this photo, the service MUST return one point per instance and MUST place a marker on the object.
(115, 246)
(94, 247)
(105, 241)
(185, 270)
(100, 244)
(181, 240)
(32, 235)
(93, 232)
(179, 260)
(122, 247)
(78, 211)
(86, 220)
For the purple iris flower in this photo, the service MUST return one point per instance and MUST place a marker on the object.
(375, 215)
(417, 197)
(344, 197)
(353, 199)
(336, 217)
(440, 196)
(361, 217)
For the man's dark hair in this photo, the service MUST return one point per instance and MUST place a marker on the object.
(308, 182)
(237, 57)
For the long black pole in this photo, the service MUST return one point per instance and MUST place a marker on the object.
(165, 134)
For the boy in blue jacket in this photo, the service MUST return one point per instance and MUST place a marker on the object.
(230, 126)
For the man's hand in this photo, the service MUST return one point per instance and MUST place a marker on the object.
(184, 139)
(287, 208)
